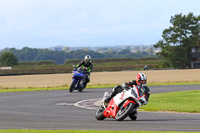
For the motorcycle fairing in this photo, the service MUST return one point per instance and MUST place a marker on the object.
(132, 95)
(111, 110)
(121, 97)
(77, 75)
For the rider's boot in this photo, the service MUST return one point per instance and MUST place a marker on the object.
(107, 99)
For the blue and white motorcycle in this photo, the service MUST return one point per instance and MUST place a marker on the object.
(79, 79)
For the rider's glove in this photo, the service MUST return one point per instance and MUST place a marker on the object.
(123, 85)
(145, 103)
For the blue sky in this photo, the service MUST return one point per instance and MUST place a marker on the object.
(47, 23)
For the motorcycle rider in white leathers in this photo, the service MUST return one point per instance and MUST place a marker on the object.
(140, 81)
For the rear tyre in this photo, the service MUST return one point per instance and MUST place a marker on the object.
(83, 87)
(80, 90)
(133, 115)
(72, 86)
(123, 113)
(99, 113)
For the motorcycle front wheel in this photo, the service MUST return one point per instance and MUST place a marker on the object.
(123, 113)
(99, 113)
(72, 86)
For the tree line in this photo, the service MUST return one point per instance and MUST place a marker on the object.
(60, 57)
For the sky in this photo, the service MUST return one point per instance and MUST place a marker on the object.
(87, 23)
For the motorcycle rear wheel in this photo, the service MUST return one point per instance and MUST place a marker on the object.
(81, 89)
(72, 86)
(122, 114)
(99, 113)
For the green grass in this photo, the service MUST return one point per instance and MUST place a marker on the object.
(80, 131)
(2, 90)
(183, 101)
(177, 83)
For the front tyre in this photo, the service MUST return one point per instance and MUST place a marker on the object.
(123, 113)
(99, 113)
(72, 86)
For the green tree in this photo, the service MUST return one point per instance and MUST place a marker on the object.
(124, 51)
(150, 51)
(111, 51)
(178, 40)
(66, 49)
(8, 59)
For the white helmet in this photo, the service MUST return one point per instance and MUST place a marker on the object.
(87, 58)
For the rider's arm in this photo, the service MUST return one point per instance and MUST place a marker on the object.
(91, 67)
(126, 86)
(80, 64)
(147, 93)
(130, 83)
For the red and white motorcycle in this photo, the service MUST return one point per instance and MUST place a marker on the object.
(122, 105)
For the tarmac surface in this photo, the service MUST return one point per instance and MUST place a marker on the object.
(55, 110)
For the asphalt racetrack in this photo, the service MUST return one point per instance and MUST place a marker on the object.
(55, 110)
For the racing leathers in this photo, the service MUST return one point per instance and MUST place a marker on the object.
(119, 88)
(88, 67)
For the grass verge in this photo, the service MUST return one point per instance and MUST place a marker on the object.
(184, 101)
(81, 131)
(2, 90)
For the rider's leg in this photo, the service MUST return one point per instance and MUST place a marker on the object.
(117, 89)
(87, 81)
